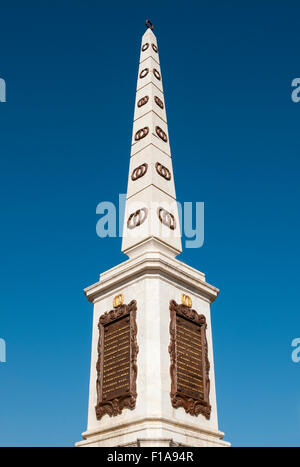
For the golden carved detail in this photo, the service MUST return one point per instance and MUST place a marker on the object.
(118, 300)
(186, 300)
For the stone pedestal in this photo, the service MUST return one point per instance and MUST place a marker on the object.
(152, 279)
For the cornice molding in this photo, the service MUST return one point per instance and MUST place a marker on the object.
(152, 263)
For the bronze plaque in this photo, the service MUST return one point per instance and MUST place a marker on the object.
(117, 361)
(190, 384)
(189, 358)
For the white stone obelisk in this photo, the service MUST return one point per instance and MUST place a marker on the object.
(150, 153)
(152, 279)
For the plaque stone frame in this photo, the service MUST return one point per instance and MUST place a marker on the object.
(115, 404)
(179, 397)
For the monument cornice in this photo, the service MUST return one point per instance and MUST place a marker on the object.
(152, 263)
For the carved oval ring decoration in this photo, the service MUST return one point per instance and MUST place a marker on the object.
(140, 134)
(159, 102)
(145, 47)
(156, 74)
(163, 171)
(154, 47)
(143, 101)
(144, 73)
(137, 218)
(161, 134)
(166, 218)
(139, 172)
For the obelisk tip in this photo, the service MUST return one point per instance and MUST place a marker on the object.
(149, 24)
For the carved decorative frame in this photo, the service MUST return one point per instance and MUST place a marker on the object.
(159, 102)
(163, 171)
(143, 101)
(161, 134)
(114, 407)
(139, 171)
(140, 134)
(166, 218)
(156, 74)
(190, 404)
(137, 218)
(144, 73)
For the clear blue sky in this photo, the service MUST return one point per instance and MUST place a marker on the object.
(71, 69)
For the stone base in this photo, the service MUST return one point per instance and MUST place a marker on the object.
(153, 279)
(153, 433)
